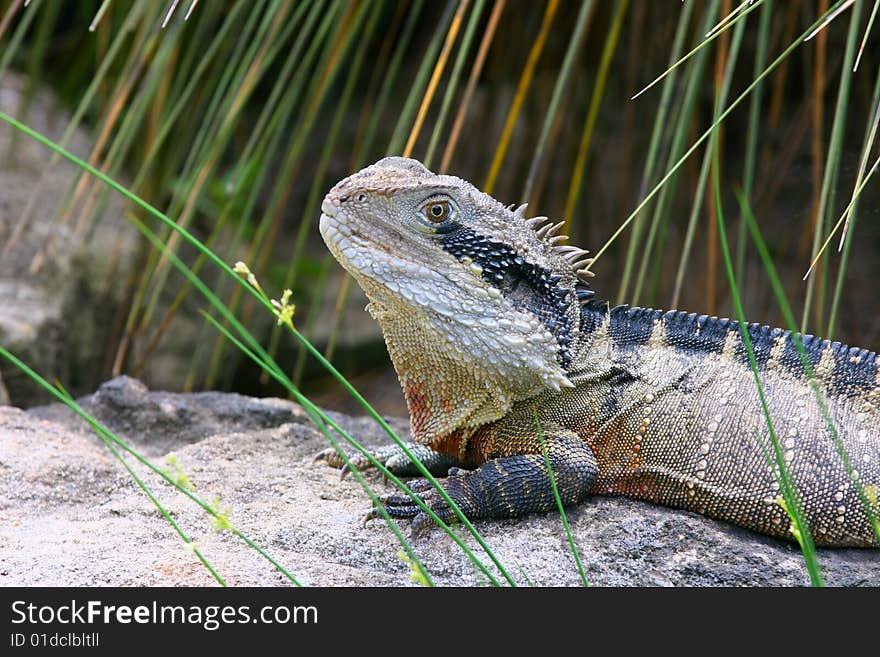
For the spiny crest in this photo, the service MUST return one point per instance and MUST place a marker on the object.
(548, 232)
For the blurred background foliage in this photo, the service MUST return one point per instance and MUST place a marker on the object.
(236, 117)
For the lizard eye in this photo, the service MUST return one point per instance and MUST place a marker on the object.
(438, 214)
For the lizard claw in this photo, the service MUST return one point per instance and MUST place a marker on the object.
(330, 456)
(372, 514)
(323, 455)
(335, 460)
(399, 505)
(343, 471)
(420, 523)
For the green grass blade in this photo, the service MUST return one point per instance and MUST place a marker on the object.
(809, 371)
(455, 77)
(323, 422)
(99, 431)
(18, 35)
(189, 238)
(832, 166)
(700, 190)
(657, 132)
(571, 543)
(849, 224)
(316, 191)
(752, 132)
(108, 436)
(711, 36)
(789, 492)
(704, 136)
(205, 161)
(867, 32)
(574, 45)
(683, 122)
(270, 148)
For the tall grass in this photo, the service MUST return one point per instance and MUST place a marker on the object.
(253, 350)
(239, 118)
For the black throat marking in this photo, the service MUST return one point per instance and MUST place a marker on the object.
(527, 286)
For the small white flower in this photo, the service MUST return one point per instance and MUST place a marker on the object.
(284, 309)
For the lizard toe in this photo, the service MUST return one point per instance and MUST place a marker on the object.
(393, 457)
(402, 506)
(329, 456)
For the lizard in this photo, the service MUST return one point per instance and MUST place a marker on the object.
(505, 356)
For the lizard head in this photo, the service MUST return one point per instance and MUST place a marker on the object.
(478, 304)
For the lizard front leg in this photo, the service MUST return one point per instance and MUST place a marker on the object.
(513, 481)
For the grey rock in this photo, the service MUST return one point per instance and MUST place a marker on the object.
(71, 515)
(61, 275)
(4, 394)
(156, 423)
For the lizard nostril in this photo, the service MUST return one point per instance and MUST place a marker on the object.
(360, 197)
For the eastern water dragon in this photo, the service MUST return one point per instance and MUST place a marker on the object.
(500, 346)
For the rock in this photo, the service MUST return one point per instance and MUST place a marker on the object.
(61, 278)
(4, 394)
(62, 281)
(71, 515)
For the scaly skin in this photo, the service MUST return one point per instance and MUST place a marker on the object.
(489, 321)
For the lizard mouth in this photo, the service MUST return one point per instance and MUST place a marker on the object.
(355, 250)
(335, 226)
(351, 243)
(328, 208)
(337, 236)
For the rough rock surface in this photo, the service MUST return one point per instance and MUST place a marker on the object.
(60, 276)
(4, 394)
(71, 515)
